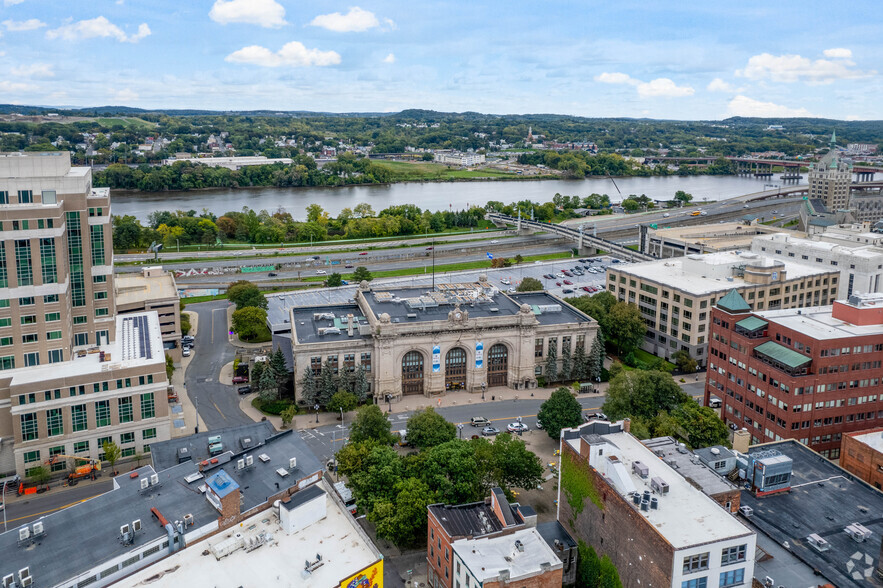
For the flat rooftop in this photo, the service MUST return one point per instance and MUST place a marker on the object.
(873, 439)
(486, 557)
(164, 454)
(670, 451)
(132, 288)
(701, 275)
(847, 247)
(60, 555)
(818, 323)
(823, 499)
(685, 516)
(310, 328)
(138, 342)
(276, 563)
(469, 520)
(720, 236)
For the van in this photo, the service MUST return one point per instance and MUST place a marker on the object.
(695, 213)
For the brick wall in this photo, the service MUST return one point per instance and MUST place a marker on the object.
(439, 570)
(863, 460)
(550, 579)
(733, 497)
(639, 552)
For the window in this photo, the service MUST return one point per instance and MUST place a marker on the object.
(55, 422)
(5, 341)
(29, 338)
(47, 261)
(147, 406)
(732, 578)
(102, 413)
(26, 301)
(25, 196)
(81, 447)
(538, 348)
(31, 457)
(29, 319)
(75, 259)
(52, 317)
(99, 279)
(125, 406)
(127, 438)
(127, 452)
(101, 312)
(52, 335)
(60, 465)
(80, 320)
(7, 362)
(49, 197)
(695, 583)
(148, 434)
(98, 245)
(32, 359)
(24, 271)
(697, 562)
(733, 555)
(4, 197)
(29, 426)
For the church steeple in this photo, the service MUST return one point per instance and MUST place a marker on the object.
(833, 143)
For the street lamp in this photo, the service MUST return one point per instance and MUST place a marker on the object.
(459, 431)
(483, 389)
(316, 407)
(389, 403)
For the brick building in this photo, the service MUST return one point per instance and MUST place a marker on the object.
(655, 526)
(491, 543)
(810, 374)
(862, 454)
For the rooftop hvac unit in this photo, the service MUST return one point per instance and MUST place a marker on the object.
(124, 530)
(24, 533)
(136, 525)
(144, 483)
(654, 503)
(38, 528)
(249, 460)
(659, 485)
(188, 520)
(818, 543)
(636, 499)
(858, 532)
(8, 581)
(292, 463)
(240, 464)
(154, 479)
(715, 451)
(26, 582)
(640, 469)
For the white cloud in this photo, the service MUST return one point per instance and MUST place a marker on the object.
(615, 78)
(292, 54)
(663, 87)
(795, 68)
(12, 2)
(838, 53)
(23, 25)
(745, 106)
(125, 95)
(10, 87)
(36, 70)
(389, 58)
(96, 27)
(718, 85)
(354, 21)
(266, 13)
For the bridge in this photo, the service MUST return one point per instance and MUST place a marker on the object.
(761, 166)
(586, 244)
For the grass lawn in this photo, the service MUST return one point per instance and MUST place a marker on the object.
(649, 358)
(404, 171)
(262, 337)
(128, 122)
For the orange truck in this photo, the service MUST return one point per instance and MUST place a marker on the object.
(87, 470)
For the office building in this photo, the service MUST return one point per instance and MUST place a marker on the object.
(862, 454)
(675, 295)
(691, 239)
(830, 178)
(811, 374)
(458, 336)
(152, 289)
(654, 525)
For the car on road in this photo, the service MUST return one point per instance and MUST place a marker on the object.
(714, 402)
(775, 212)
(243, 390)
(746, 206)
(430, 248)
(517, 428)
(321, 272)
(240, 379)
(595, 415)
(490, 431)
(479, 422)
(494, 242)
(665, 215)
(348, 266)
(272, 274)
(363, 253)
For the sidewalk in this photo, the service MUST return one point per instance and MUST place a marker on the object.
(179, 382)
(234, 338)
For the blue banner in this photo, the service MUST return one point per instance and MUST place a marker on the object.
(489, 256)
(479, 354)
(436, 358)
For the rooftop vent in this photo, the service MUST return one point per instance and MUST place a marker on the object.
(715, 451)
(494, 309)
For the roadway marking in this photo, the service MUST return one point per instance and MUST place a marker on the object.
(36, 514)
(219, 410)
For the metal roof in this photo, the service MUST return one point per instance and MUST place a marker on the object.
(752, 323)
(782, 354)
(733, 302)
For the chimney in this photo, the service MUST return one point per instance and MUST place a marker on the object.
(349, 325)
(627, 425)
(741, 441)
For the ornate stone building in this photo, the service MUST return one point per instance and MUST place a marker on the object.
(830, 178)
(460, 336)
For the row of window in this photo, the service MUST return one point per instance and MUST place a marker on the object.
(79, 416)
(33, 458)
(726, 579)
(31, 359)
(551, 344)
(349, 362)
(80, 390)
(27, 197)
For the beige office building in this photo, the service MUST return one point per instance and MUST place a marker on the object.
(829, 180)
(675, 296)
(152, 289)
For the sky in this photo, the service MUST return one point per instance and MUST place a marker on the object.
(663, 59)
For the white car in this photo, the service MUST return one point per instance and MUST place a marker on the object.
(320, 272)
(517, 427)
(494, 242)
(665, 215)
(185, 352)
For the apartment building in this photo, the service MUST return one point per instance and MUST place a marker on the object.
(811, 374)
(862, 454)
(675, 296)
(656, 527)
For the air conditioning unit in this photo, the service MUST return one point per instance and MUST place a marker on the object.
(154, 479)
(144, 483)
(8, 581)
(136, 525)
(292, 463)
(24, 573)
(188, 520)
(240, 464)
(249, 460)
(24, 533)
(26, 582)
(124, 530)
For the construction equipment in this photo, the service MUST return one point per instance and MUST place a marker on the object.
(86, 470)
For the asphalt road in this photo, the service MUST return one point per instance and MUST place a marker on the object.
(218, 405)
(23, 510)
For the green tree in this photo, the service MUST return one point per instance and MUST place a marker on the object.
(551, 370)
(518, 259)
(245, 294)
(287, 415)
(403, 519)
(363, 210)
(39, 475)
(334, 280)
(308, 387)
(375, 481)
(596, 357)
(580, 364)
(427, 428)
(588, 566)
(249, 322)
(127, 232)
(170, 367)
(278, 366)
(450, 468)
(507, 463)
(530, 285)
(683, 360)
(682, 196)
(342, 400)
(371, 424)
(316, 214)
(560, 411)
(566, 364)
(362, 274)
(266, 386)
(328, 383)
(701, 425)
(643, 394)
(625, 327)
(111, 454)
(609, 575)
(630, 204)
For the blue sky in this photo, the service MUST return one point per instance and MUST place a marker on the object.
(679, 59)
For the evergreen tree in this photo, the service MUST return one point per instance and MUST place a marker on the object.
(266, 386)
(360, 384)
(309, 387)
(328, 383)
(596, 357)
(552, 364)
(566, 364)
(580, 364)
(256, 370)
(278, 366)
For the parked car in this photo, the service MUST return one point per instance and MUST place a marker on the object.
(517, 427)
(714, 402)
(557, 283)
(567, 291)
(188, 340)
(585, 289)
(185, 352)
(321, 272)
(243, 390)
(568, 282)
(240, 379)
(490, 431)
(595, 416)
(479, 422)
(539, 424)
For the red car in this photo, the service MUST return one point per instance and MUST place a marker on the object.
(363, 253)
(568, 282)
(586, 289)
(557, 283)
(240, 379)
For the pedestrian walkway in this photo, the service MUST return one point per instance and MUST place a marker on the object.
(187, 417)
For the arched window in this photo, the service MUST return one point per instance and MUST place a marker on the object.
(412, 373)
(455, 369)
(498, 365)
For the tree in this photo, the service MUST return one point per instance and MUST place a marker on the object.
(375, 480)
(327, 383)
(334, 280)
(427, 428)
(360, 386)
(630, 204)
(287, 415)
(642, 394)
(625, 327)
(371, 424)
(127, 232)
(278, 366)
(530, 285)
(451, 470)
(560, 411)
(185, 323)
(244, 294)
(518, 259)
(342, 400)
(588, 566)
(507, 463)
(609, 575)
(308, 386)
(566, 364)
(362, 274)
(111, 454)
(580, 368)
(266, 386)
(249, 322)
(316, 214)
(403, 520)
(683, 360)
(363, 210)
(596, 357)
(701, 425)
(170, 367)
(551, 370)
(683, 197)
(39, 475)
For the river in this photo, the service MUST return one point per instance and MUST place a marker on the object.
(430, 195)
